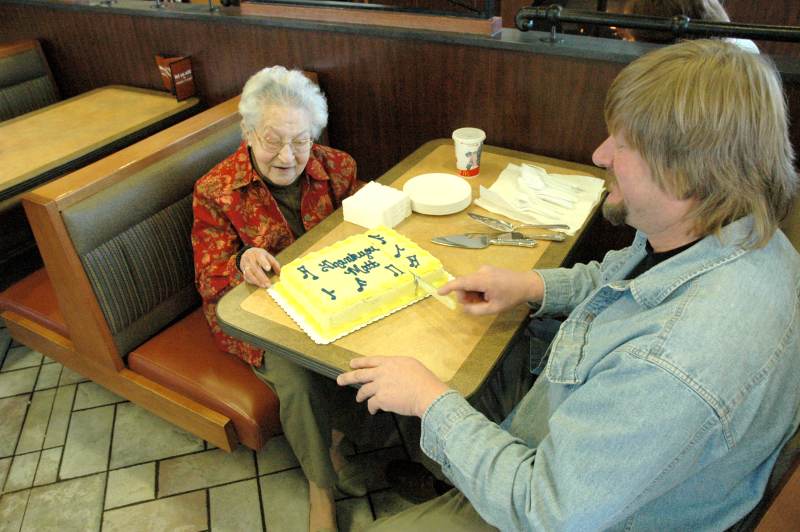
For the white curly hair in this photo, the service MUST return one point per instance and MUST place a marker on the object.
(278, 86)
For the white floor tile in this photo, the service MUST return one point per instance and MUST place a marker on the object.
(131, 484)
(23, 469)
(70, 377)
(276, 455)
(12, 414)
(5, 465)
(205, 469)
(12, 510)
(59, 417)
(48, 376)
(284, 498)
(140, 436)
(69, 505)
(88, 441)
(21, 357)
(47, 472)
(35, 428)
(91, 394)
(235, 507)
(17, 382)
(185, 512)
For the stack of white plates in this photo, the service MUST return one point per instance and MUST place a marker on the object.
(438, 194)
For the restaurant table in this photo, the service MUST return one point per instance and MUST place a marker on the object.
(460, 349)
(43, 144)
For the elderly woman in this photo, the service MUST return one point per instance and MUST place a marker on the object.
(277, 185)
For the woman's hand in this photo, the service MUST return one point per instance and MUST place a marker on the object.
(491, 290)
(256, 263)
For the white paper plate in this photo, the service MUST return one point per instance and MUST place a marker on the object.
(438, 194)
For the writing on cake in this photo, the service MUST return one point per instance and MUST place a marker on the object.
(342, 287)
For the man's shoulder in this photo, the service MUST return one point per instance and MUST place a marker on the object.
(737, 323)
(756, 280)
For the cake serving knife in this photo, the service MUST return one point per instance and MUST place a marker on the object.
(430, 290)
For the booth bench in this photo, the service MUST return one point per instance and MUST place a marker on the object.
(116, 301)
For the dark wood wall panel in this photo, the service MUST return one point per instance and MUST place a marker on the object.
(774, 12)
(387, 96)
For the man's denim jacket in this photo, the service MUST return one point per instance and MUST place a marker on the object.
(663, 404)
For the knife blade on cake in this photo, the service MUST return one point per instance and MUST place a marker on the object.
(430, 290)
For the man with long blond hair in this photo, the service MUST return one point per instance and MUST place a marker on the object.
(674, 382)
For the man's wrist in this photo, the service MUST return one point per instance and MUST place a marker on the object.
(536, 288)
(429, 397)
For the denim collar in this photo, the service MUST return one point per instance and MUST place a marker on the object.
(656, 284)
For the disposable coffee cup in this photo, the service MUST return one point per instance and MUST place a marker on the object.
(469, 145)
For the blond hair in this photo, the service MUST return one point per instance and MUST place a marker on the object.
(710, 120)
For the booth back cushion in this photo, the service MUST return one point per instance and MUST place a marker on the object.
(134, 240)
(25, 80)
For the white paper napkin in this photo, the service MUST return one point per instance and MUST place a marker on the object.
(529, 194)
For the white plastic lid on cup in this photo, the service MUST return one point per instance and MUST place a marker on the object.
(469, 135)
(468, 143)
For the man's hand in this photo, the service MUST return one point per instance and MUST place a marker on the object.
(393, 384)
(256, 263)
(491, 290)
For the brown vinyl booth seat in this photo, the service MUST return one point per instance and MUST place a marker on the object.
(117, 302)
(26, 82)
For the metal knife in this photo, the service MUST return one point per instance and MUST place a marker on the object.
(483, 240)
(431, 291)
(553, 237)
(502, 225)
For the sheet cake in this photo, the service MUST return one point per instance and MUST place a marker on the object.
(341, 288)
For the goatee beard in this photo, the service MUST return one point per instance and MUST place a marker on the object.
(615, 213)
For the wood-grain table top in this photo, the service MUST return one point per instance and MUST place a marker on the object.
(33, 143)
(460, 349)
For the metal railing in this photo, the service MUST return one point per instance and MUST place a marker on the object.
(550, 18)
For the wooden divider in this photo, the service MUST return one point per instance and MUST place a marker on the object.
(90, 349)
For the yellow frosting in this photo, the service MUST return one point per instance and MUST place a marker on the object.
(356, 280)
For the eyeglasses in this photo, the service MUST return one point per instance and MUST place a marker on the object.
(275, 145)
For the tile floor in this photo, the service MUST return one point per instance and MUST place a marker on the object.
(74, 456)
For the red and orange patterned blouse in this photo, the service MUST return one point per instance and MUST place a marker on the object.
(233, 207)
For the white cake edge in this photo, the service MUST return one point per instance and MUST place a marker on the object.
(314, 334)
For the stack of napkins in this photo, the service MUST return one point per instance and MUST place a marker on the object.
(375, 204)
(529, 194)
